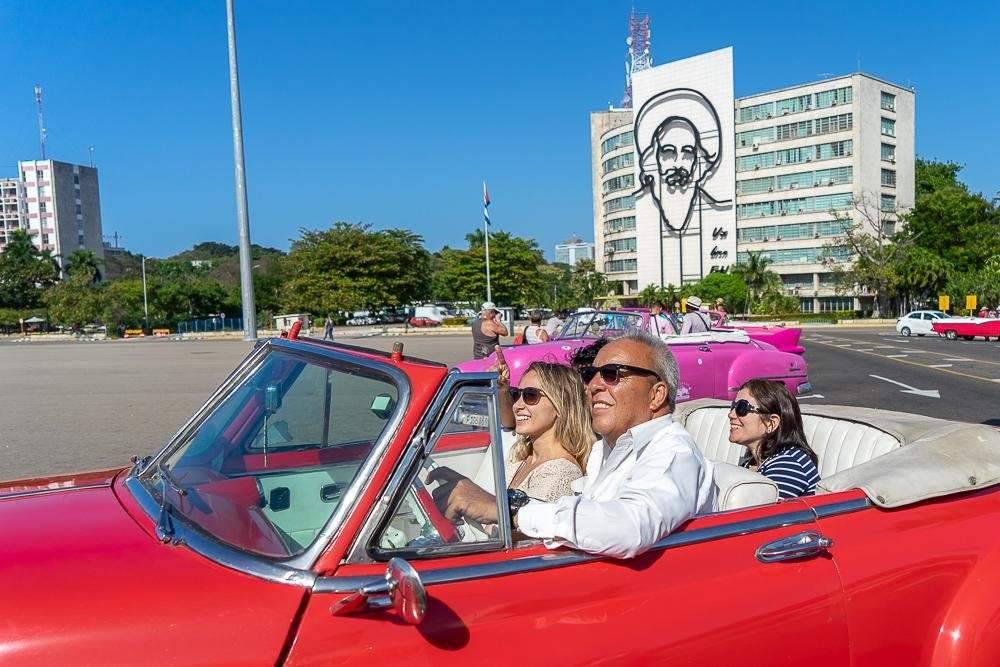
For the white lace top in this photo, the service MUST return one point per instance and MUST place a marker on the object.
(548, 482)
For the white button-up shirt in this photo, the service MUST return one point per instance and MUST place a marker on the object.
(634, 494)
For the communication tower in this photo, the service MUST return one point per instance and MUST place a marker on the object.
(639, 55)
(41, 119)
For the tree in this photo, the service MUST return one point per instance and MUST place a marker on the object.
(76, 301)
(920, 275)
(729, 287)
(25, 272)
(756, 275)
(587, 283)
(85, 262)
(515, 263)
(350, 267)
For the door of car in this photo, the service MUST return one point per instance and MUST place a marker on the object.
(704, 596)
(697, 363)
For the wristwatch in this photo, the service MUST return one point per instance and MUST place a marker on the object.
(516, 499)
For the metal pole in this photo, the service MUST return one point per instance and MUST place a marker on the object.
(246, 278)
(145, 301)
(489, 289)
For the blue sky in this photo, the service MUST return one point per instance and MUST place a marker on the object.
(392, 113)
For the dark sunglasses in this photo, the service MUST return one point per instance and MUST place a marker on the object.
(613, 373)
(531, 395)
(743, 407)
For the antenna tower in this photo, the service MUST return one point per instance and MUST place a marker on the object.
(41, 119)
(639, 55)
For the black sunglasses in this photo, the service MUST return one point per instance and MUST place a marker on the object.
(613, 373)
(743, 407)
(531, 395)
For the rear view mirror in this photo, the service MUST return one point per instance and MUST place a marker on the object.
(383, 405)
(272, 399)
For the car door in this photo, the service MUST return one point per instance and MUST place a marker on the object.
(697, 363)
(704, 595)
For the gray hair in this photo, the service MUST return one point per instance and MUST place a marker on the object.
(664, 361)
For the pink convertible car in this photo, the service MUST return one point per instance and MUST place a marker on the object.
(712, 365)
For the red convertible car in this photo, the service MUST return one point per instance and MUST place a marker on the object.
(967, 327)
(289, 523)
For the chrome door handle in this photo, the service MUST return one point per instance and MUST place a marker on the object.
(803, 545)
(704, 348)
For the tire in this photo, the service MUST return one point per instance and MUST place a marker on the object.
(921, 335)
(905, 331)
(950, 334)
(968, 337)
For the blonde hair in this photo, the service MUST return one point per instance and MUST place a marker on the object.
(563, 386)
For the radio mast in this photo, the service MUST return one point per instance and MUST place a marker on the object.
(639, 56)
(41, 119)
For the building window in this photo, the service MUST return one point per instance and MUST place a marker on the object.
(794, 130)
(45, 239)
(755, 186)
(620, 245)
(619, 162)
(801, 255)
(42, 207)
(619, 204)
(838, 123)
(888, 101)
(624, 182)
(792, 232)
(889, 178)
(834, 304)
(834, 149)
(888, 202)
(39, 175)
(617, 141)
(755, 161)
(888, 127)
(756, 112)
(79, 209)
(620, 265)
(797, 280)
(829, 98)
(806, 305)
(888, 153)
(754, 137)
(793, 105)
(76, 179)
(619, 225)
(819, 204)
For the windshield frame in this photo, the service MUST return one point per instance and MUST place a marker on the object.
(295, 569)
(642, 324)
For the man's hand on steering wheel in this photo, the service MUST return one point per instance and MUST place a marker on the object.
(458, 497)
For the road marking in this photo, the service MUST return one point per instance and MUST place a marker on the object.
(893, 356)
(940, 366)
(958, 359)
(845, 345)
(940, 370)
(867, 349)
(802, 398)
(885, 347)
(929, 393)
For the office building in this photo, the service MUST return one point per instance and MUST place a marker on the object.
(798, 158)
(573, 250)
(57, 203)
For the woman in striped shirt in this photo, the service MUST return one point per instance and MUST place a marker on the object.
(765, 419)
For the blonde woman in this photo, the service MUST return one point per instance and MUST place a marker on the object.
(552, 442)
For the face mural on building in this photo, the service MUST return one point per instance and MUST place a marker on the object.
(677, 137)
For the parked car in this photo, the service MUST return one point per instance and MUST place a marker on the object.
(918, 322)
(424, 322)
(967, 327)
(261, 535)
(712, 365)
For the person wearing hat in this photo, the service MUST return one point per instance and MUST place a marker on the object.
(694, 320)
(486, 331)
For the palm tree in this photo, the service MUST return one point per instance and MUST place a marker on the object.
(756, 275)
(85, 261)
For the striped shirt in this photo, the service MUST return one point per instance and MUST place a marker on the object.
(791, 469)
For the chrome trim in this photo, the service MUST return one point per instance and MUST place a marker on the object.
(293, 570)
(426, 432)
(499, 473)
(186, 534)
(565, 558)
(804, 545)
(843, 507)
(42, 492)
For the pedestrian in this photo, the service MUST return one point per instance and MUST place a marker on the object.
(486, 331)
(535, 333)
(694, 320)
(661, 323)
(328, 328)
(720, 307)
(553, 324)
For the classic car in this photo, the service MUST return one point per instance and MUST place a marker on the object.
(967, 327)
(289, 523)
(712, 364)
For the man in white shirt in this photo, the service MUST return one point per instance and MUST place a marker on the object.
(695, 321)
(646, 476)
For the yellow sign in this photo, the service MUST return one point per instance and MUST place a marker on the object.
(944, 302)
(970, 301)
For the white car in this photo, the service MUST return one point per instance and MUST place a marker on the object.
(918, 322)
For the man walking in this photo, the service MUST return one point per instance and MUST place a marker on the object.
(328, 328)
(486, 331)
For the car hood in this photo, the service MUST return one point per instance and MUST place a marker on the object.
(34, 485)
(82, 577)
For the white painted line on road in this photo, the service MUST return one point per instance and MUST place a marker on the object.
(865, 349)
(895, 356)
(929, 393)
(958, 359)
(844, 345)
(940, 366)
(801, 398)
(996, 380)
(885, 347)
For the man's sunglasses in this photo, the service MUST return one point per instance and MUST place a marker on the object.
(613, 373)
(531, 395)
(743, 407)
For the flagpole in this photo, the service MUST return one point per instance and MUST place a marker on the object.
(486, 231)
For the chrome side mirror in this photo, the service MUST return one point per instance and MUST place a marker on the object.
(406, 591)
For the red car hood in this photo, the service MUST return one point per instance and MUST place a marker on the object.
(81, 580)
(73, 480)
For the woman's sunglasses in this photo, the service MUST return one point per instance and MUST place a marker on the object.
(613, 373)
(743, 407)
(531, 395)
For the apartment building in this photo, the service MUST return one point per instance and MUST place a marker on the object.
(574, 249)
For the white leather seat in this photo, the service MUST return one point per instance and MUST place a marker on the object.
(737, 487)
(839, 443)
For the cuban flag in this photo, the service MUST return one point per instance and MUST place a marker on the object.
(486, 204)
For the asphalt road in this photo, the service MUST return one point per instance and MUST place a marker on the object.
(79, 406)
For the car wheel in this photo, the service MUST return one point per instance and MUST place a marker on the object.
(905, 331)
(951, 335)
(968, 337)
(921, 335)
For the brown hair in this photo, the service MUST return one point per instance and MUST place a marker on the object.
(565, 389)
(773, 398)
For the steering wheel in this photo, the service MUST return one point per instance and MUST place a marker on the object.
(446, 530)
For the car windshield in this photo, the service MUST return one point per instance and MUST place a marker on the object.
(597, 324)
(267, 467)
